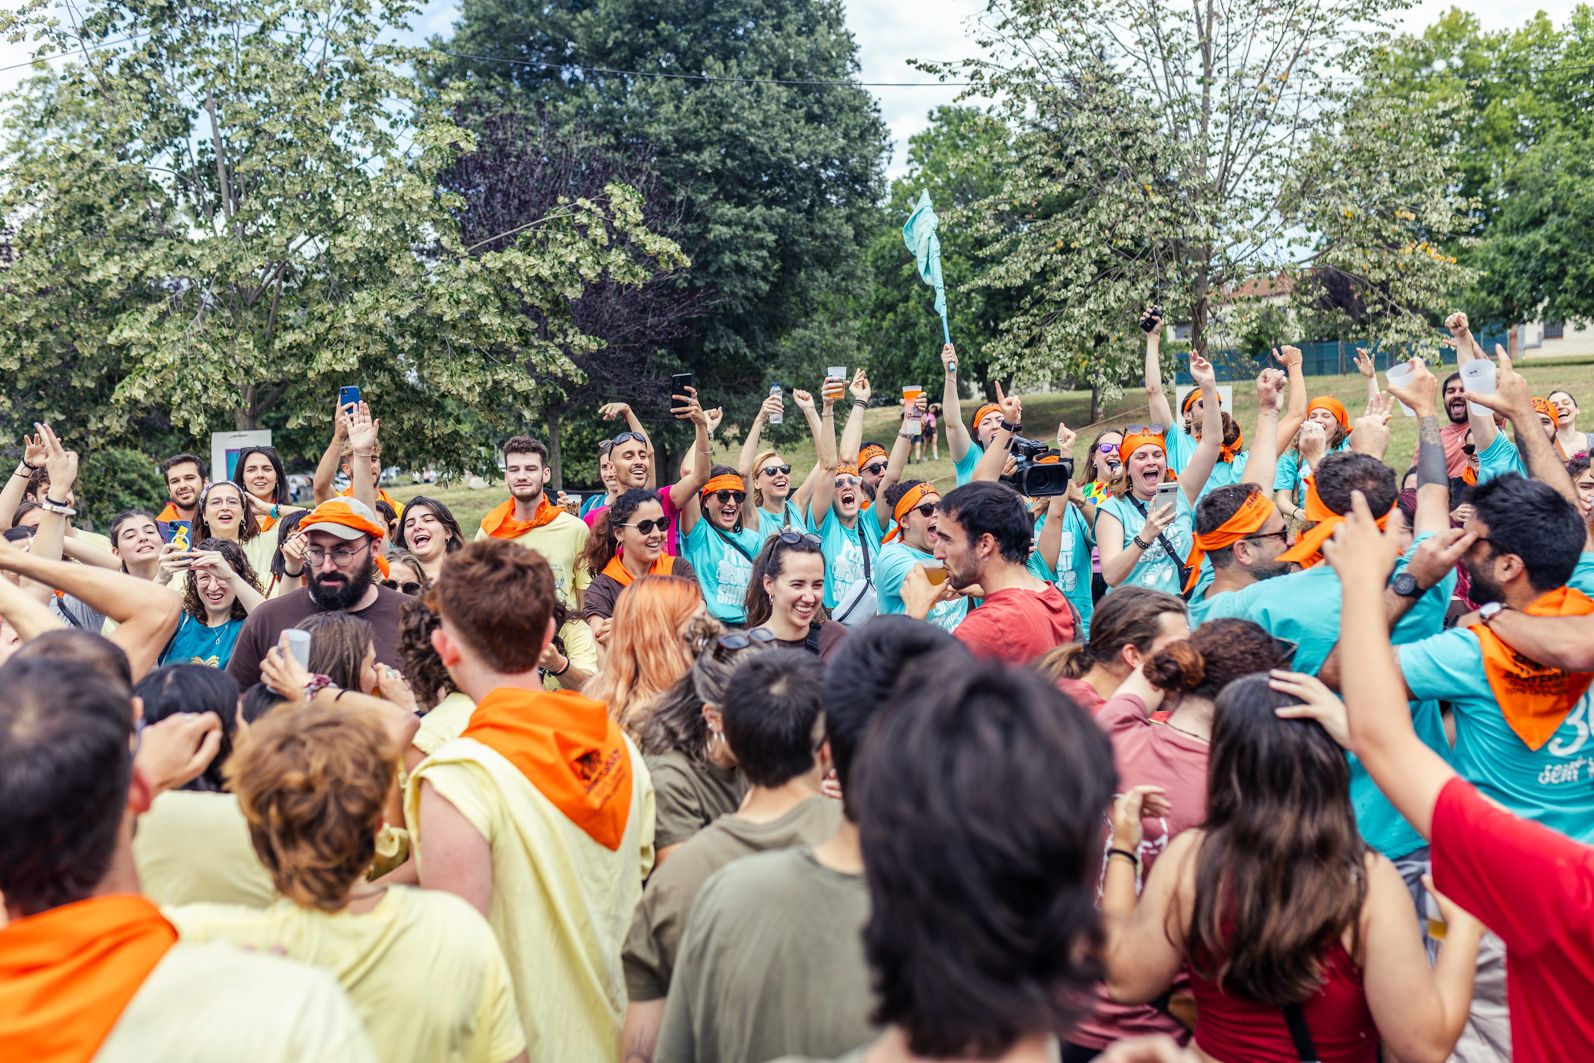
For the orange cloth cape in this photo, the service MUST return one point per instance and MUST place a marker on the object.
(1256, 511)
(67, 974)
(663, 565)
(1308, 549)
(568, 748)
(1534, 697)
(501, 522)
(910, 498)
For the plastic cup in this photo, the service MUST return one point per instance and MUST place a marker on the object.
(1399, 375)
(936, 573)
(299, 645)
(1478, 377)
(911, 395)
(836, 372)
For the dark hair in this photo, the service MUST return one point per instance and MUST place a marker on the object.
(285, 526)
(771, 562)
(1215, 655)
(234, 555)
(1005, 780)
(183, 458)
(603, 543)
(259, 700)
(991, 509)
(338, 644)
(418, 659)
(80, 649)
(17, 532)
(526, 445)
(1129, 616)
(1215, 509)
(248, 526)
(38, 483)
(863, 675)
(281, 495)
(24, 507)
(895, 492)
(675, 722)
(1345, 471)
(771, 712)
(470, 592)
(728, 470)
(1281, 872)
(66, 762)
(1446, 383)
(176, 688)
(1577, 466)
(122, 518)
(1531, 520)
(387, 512)
(445, 517)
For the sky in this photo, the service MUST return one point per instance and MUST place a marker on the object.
(890, 32)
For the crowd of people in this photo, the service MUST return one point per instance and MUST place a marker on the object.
(1245, 743)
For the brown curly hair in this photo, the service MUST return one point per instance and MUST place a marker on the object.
(312, 783)
(235, 557)
(422, 667)
(1215, 655)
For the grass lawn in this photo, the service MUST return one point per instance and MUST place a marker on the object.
(1041, 414)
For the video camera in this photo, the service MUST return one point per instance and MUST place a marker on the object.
(1041, 470)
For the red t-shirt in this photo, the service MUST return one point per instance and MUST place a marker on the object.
(1018, 626)
(1535, 889)
(1147, 754)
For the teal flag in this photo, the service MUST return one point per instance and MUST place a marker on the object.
(920, 236)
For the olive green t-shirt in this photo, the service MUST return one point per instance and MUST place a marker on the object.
(771, 964)
(688, 798)
(655, 937)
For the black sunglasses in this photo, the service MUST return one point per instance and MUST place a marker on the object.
(730, 496)
(795, 538)
(1469, 448)
(647, 527)
(1285, 535)
(626, 437)
(740, 640)
(874, 468)
(925, 509)
(408, 587)
(773, 470)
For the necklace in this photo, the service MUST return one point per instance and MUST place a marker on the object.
(1191, 734)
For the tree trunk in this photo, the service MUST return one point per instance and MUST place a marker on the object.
(554, 462)
(246, 418)
(1095, 405)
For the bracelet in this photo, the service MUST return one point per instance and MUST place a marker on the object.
(315, 684)
(31, 468)
(563, 670)
(1014, 428)
(1125, 853)
(292, 575)
(276, 511)
(1137, 542)
(50, 505)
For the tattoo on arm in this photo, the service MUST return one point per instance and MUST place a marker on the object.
(1431, 465)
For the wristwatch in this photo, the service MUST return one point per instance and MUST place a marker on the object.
(1008, 426)
(1489, 611)
(1405, 585)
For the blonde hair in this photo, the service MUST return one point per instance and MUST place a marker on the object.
(648, 647)
(312, 783)
(758, 463)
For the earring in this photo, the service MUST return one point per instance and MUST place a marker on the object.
(716, 741)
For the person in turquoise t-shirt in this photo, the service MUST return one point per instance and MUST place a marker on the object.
(777, 504)
(1062, 553)
(849, 538)
(965, 447)
(219, 591)
(910, 545)
(719, 547)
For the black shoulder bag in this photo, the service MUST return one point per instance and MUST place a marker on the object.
(1167, 546)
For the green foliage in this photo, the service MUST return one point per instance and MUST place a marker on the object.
(112, 479)
(236, 210)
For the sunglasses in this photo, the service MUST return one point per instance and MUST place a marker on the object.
(777, 470)
(1149, 429)
(925, 509)
(648, 527)
(875, 468)
(730, 496)
(1468, 448)
(848, 481)
(740, 640)
(626, 437)
(407, 587)
(1107, 448)
(795, 538)
(1285, 535)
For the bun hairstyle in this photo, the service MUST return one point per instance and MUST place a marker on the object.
(1130, 616)
(1215, 655)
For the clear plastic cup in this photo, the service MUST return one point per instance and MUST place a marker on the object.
(1478, 377)
(1398, 376)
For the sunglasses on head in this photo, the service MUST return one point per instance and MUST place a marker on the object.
(407, 587)
(1148, 429)
(648, 527)
(795, 538)
(777, 470)
(626, 437)
(730, 496)
(875, 468)
(740, 640)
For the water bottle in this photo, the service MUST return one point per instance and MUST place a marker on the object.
(774, 392)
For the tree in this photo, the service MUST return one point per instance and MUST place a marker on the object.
(748, 114)
(229, 211)
(1159, 158)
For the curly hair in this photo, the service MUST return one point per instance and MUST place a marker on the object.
(312, 783)
(422, 667)
(1215, 655)
(675, 720)
(237, 560)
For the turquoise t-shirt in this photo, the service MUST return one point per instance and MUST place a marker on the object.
(1499, 458)
(1073, 573)
(1155, 569)
(194, 643)
(844, 552)
(770, 524)
(592, 502)
(723, 562)
(1304, 608)
(892, 566)
(965, 468)
(1291, 475)
(1182, 447)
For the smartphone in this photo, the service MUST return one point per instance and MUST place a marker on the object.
(299, 645)
(348, 396)
(1167, 495)
(182, 537)
(679, 382)
(1151, 319)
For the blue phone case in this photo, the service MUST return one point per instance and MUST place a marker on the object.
(348, 397)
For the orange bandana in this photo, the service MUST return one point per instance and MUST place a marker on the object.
(1189, 400)
(1534, 697)
(169, 514)
(1228, 452)
(501, 522)
(1137, 440)
(1257, 510)
(568, 748)
(870, 453)
(1308, 549)
(67, 974)
(1333, 406)
(980, 414)
(910, 498)
(727, 482)
(844, 468)
(663, 565)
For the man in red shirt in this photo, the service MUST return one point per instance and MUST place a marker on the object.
(983, 539)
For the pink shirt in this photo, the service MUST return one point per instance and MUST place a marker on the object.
(672, 541)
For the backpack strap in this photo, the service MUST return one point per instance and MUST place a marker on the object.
(1295, 1019)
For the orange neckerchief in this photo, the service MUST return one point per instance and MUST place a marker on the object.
(1228, 452)
(910, 498)
(1534, 697)
(265, 522)
(662, 565)
(501, 522)
(169, 514)
(1308, 549)
(1469, 476)
(66, 975)
(1547, 409)
(729, 481)
(1333, 406)
(1256, 511)
(568, 748)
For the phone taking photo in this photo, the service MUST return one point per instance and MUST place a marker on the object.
(679, 382)
(1167, 495)
(348, 396)
(182, 537)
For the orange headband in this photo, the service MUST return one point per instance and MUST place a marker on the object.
(1333, 406)
(728, 481)
(846, 467)
(1254, 512)
(1308, 549)
(870, 453)
(1547, 408)
(1189, 400)
(910, 498)
(1134, 442)
(979, 414)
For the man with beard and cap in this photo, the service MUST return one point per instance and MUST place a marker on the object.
(342, 537)
(529, 517)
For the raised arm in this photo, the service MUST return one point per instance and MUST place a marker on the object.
(1049, 543)
(1511, 398)
(1205, 459)
(33, 454)
(1156, 399)
(1295, 410)
(852, 431)
(825, 476)
(1369, 371)
(361, 431)
(755, 435)
(249, 596)
(28, 616)
(995, 458)
(683, 493)
(957, 433)
(610, 410)
(896, 461)
(326, 469)
(1144, 946)
(1262, 465)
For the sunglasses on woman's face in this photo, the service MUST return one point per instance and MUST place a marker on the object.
(407, 587)
(1107, 448)
(648, 527)
(729, 496)
(848, 481)
(925, 509)
(1468, 449)
(777, 470)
